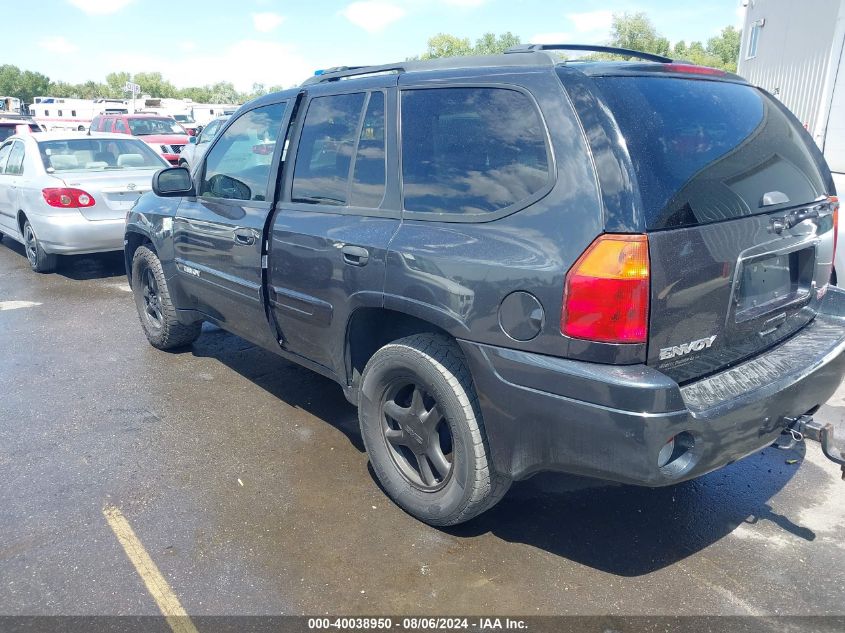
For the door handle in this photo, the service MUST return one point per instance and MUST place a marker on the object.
(355, 255)
(244, 237)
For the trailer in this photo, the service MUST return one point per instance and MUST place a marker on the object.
(10, 105)
(796, 51)
(61, 113)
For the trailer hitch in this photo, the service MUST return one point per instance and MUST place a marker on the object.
(805, 427)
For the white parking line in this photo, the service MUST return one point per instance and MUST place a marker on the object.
(169, 605)
(16, 305)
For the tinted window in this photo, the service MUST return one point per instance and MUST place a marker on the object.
(14, 165)
(326, 145)
(238, 166)
(6, 131)
(96, 123)
(470, 150)
(705, 151)
(120, 126)
(368, 173)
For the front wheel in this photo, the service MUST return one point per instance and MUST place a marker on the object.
(423, 431)
(39, 260)
(155, 308)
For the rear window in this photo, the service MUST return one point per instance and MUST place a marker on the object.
(706, 151)
(90, 154)
(148, 127)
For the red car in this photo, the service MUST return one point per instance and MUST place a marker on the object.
(163, 133)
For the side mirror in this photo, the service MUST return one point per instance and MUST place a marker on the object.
(192, 140)
(173, 182)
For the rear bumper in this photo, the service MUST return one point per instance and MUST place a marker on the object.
(610, 422)
(70, 233)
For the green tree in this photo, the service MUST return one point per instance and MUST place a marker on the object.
(445, 45)
(115, 83)
(725, 47)
(635, 31)
(491, 44)
(153, 84)
(23, 85)
(196, 94)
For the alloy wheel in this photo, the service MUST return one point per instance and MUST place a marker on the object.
(152, 300)
(31, 244)
(417, 435)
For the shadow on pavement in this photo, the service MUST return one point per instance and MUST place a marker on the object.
(95, 266)
(287, 381)
(79, 267)
(623, 530)
(632, 531)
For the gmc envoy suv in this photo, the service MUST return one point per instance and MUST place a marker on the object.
(514, 264)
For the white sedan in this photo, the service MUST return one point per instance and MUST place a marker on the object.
(63, 193)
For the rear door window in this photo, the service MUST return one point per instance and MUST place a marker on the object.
(4, 156)
(325, 150)
(14, 166)
(120, 126)
(706, 151)
(471, 151)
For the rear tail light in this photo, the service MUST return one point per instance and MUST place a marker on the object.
(68, 198)
(606, 292)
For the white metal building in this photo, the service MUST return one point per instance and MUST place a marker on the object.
(794, 50)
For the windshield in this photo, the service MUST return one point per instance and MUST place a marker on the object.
(146, 127)
(92, 154)
(706, 151)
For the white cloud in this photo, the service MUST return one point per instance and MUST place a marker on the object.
(243, 63)
(471, 4)
(550, 38)
(57, 44)
(100, 7)
(266, 21)
(373, 15)
(591, 21)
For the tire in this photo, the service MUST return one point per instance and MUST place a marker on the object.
(39, 260)
(155, 308)
(402, 385)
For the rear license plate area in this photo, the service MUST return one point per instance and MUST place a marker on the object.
(774, 281)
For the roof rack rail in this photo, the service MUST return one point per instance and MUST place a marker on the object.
(533, 48)
(340, 72)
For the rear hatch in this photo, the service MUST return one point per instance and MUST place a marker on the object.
(739, 225)
(114, 192)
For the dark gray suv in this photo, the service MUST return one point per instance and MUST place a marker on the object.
(513, 264)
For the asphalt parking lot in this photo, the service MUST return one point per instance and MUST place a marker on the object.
(245, 479)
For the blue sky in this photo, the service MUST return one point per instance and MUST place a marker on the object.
(280, 42)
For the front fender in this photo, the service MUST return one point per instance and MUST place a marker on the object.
(151, 220)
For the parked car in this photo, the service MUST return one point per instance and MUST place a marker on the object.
(64, 193)
(197, 145)
(160, 132)
(514, 264)
(16, 125)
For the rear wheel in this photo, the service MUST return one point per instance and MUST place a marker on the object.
(155, 309)
(39, 260)
(423, 431)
